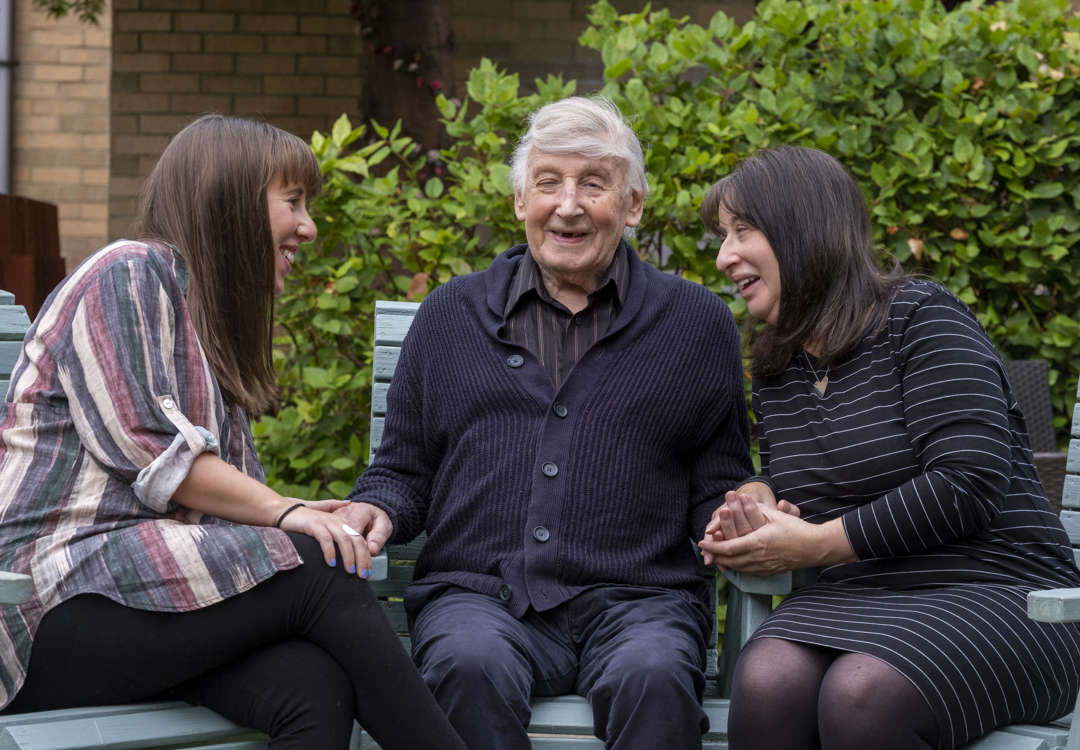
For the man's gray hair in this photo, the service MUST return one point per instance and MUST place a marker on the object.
(592, 127)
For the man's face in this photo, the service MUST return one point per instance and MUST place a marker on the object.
(575, 209)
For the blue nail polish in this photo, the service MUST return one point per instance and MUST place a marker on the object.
(333, 563)
(365, 573)
(352, 568)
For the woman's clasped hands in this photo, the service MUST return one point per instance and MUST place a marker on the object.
(753, 533)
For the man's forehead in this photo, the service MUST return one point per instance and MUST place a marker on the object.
(575, 162)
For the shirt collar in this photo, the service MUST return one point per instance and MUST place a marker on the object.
(527, 278)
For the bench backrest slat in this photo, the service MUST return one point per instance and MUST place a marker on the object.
(13, 324)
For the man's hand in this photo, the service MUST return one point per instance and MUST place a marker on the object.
(371, 521)
(742, 513)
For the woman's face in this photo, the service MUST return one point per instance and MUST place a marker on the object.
(290, 225)
(748, 260)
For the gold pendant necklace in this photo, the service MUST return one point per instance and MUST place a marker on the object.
(820, 384)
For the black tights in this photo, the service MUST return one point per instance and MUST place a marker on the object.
(298, 656)
(797, 696)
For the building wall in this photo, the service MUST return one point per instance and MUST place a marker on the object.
(60, 123)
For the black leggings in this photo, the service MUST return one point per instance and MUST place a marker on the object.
(794, 696)
(298, 656)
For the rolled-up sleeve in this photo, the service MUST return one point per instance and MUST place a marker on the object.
(139, 390)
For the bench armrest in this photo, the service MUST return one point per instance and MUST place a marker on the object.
(15, 588)
(1054, 605)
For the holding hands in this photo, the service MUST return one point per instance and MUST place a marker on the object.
(334, 533)
(753, 533)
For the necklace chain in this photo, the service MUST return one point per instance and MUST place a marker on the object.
(820, 384)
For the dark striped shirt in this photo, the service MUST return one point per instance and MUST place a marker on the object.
(544, 326)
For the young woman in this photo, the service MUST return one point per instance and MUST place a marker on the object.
(890, 433)
(162, 565)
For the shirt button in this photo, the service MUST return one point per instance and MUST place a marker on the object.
(168, 403)
(560, 410)
(504, 592)
(550, 469)
(515, 360)
(541, 534)
(578, 320)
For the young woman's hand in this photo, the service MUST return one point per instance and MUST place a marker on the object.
(316, 519)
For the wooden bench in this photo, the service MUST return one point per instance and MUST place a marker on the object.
(565, 723)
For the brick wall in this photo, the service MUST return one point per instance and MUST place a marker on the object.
(60, 123)
(293, 64)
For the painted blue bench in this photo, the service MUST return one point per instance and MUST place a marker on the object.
(565, 723)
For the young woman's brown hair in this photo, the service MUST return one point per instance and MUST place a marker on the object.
(206, 197)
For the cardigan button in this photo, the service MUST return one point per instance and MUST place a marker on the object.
(550, 469)
(515, 360)
(541, 534)
(560, 410)
(504, 592)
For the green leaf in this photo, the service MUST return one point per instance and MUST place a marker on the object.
(433, 188)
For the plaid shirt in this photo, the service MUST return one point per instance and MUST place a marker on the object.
(110, 402)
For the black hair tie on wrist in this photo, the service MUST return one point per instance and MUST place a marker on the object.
(286, 512)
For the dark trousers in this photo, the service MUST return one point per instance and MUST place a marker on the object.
(636, 654)
(298, 656)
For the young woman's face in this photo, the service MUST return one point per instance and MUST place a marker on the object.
(290, 225)
(748, 260)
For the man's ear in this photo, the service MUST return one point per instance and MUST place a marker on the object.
(637, 207)
(519, 206)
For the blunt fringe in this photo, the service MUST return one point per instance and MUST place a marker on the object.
(206, 197)
(834, 292)
(590, 126)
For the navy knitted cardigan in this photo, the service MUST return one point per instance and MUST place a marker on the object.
(534, 495)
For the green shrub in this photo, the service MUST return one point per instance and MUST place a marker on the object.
(958, 126)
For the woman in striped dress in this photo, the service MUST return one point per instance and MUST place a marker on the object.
(130, 492)
(891, 437)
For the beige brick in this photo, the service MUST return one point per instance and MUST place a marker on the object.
(126, 185)
(202, 63)
(54, 174)
(36, 89)
(175, 4)
(172, 82)
(84, 123)
(263, 64)
(170, 42)
(45, 72)
(329, 64)
(327, 105)
(235, 44)
(124, 165)
(124, 83)
(139, 144)
(196, 103)
(267, 24)
(293, 84)
(328, 25)
(61, 141)
(293, 44)
(99, 37)
(139, 102)
(142, 21)
(222, 84)
(84, 56)
(142, 62)
(204, 22)
(97, 73)
(96, 177)
(265, 105)
(98, 141)
(39, 54)
(93, 90)
(58, 38)
(81, 227)
(39, 124)
(167, 124)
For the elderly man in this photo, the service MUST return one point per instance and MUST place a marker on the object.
(562, 425)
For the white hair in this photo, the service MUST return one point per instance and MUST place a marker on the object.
(593, 127)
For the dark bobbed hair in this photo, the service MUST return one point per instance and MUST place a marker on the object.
(833, 292)
(206, 197)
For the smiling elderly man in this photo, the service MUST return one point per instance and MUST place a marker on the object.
(562, 425)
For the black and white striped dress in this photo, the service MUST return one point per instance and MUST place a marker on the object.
(918, 444)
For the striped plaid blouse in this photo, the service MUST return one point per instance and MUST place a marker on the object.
(109, 404)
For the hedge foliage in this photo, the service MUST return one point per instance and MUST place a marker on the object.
(958, 125)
